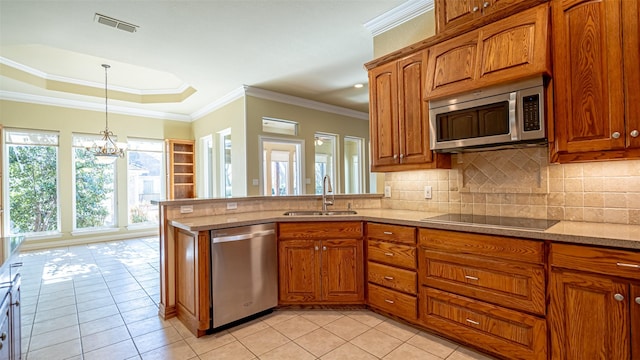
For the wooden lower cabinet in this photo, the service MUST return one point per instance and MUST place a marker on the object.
(594, 311)
(508, 333)
(193, 280)
(316, 269)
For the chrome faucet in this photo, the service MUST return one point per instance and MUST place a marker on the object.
(326, 187)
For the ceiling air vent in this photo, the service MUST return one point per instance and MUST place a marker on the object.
(115, 23)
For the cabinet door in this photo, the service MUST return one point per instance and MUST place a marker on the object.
(450, 13)
(451, 65)
(383, 113)
(586, 319)
(342, 270)
(589, 102)
(413, 113)
(635, 321)
(299, 268)
(631, 38)
(192, 282)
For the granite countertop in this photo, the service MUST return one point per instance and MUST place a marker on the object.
(601, 234)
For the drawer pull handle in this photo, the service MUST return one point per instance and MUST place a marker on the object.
(635, 266)
(470, 277)
(618, 297)
(388, 233)
(473, 322)
(388, 254)
(389, 301)
(388, 277)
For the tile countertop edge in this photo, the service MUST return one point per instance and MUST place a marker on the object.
(598, 234)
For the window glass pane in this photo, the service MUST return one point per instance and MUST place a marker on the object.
(278, 126)
(325, 150)
(353, 165)
(94, 187)
(281, 166)
(225, 143)
(145, 172)
(32, 182)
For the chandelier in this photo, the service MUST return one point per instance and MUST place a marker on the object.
(106, 150)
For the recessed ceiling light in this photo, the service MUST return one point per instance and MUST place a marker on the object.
(358, 86)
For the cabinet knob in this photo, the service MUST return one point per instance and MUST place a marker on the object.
(475, 9)
(317, 248)
(401, 156)
(618, 297)
(634, 133)
(395, 156)
(638, 300)
(486, 4)
(615, 135)
(324, 248)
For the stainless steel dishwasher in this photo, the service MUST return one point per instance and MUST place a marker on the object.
(244, 272)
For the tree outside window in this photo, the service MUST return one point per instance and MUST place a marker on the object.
(146, 180)
(32, 160)
(94, 188)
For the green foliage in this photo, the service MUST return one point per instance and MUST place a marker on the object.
(94, 186)
(33, 198)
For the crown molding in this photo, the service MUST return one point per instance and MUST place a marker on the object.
(43, 75)
(302, 102)
(230, 97)
(83, 105)
(398, 15)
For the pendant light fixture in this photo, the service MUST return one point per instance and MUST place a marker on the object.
(106, 150)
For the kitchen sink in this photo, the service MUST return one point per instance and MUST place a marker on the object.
(319, 213)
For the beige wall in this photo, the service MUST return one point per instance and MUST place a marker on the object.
(410, 32)
(67, 121)
(310, 121)
(230, 116)
(522, 183)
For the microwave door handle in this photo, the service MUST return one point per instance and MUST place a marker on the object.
(513, 116)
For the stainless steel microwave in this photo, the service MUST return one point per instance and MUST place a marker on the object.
(504, 116)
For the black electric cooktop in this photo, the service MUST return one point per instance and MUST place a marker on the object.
(494, 221)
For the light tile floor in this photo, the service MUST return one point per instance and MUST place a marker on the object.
(99, 301)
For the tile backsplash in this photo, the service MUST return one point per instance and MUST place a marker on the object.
(521, 182)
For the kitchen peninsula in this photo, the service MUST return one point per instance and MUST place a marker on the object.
(499, 274)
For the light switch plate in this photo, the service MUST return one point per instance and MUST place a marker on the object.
(427, 192)
(387, 191)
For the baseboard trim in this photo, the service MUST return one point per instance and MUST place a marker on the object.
(30, 245)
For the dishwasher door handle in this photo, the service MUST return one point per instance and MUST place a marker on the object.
(240, 237)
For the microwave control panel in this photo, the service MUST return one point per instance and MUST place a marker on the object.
(531, 112)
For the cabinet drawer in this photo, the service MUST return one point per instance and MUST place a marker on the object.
(514, 285)
(477, 244)
(506, 332)
(392, 254)
(391, 277)
(397, 233)
(393, 302)
(320, 230)
(602, 261)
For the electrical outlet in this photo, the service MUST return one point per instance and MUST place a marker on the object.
(186, 209)
(427, 192)
(232, 206)
(387, 191)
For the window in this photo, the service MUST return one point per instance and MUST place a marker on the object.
(95, 195)
(325, 163)
(145, 173)
(278, 126)
(225, 163)
(208, 166)
(32, 182)
(353, 165)
(281, 166)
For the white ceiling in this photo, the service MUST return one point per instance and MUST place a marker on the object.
(314, 49)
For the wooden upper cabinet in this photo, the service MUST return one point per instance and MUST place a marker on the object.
(596, 61)
(507, 50)
(399, 117)
(181, 176)
(463, 15)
